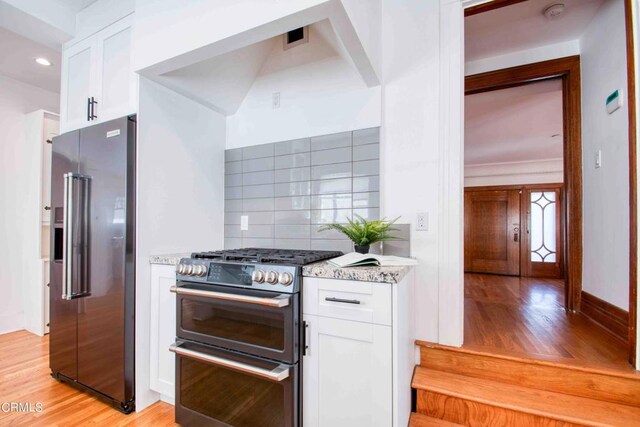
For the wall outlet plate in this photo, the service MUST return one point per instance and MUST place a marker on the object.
(422, 221)
(244, 222)
(275, 100)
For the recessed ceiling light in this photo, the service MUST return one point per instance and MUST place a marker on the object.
(43, 61)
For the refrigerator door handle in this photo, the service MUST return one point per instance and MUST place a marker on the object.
(67, 240)
(69, 227)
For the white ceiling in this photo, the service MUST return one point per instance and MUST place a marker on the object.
(523, 26)
(514, 124)
(17, 55)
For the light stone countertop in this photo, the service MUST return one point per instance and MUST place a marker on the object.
(325, 270)
(169, 259)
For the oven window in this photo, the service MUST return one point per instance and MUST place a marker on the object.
(247, 324)
(232, 397)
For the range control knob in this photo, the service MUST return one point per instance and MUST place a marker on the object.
(180, 268)
(272, 277)
(285, 278)
(201, 270)
(188, 269)
(257, 276)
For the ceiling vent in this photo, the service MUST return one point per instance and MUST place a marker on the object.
(554, 11)
(296, 37)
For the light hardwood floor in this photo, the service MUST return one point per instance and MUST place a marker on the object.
(525, 317)
(24, 377)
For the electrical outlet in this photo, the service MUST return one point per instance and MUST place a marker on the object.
(275, 100)
(422, 221)
(244, 222)
(598, 159)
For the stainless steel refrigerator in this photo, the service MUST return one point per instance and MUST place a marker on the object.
(92, 286)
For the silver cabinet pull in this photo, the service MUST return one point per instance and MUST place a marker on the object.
(281, 301)
(277, 374)
(344, 301)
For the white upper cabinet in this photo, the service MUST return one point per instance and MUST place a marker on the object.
(76, 84)
(97, 80)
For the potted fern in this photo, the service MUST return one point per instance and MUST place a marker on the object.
(364, 233)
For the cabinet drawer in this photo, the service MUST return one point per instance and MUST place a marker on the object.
(345, 299)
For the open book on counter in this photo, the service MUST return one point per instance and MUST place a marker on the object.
(354, 259)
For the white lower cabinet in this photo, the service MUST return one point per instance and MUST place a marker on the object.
(163, 331)
(359, 353)
(347, 373)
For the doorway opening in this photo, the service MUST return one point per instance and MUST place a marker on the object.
(524, 218)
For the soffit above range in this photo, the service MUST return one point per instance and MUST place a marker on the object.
(220, 74)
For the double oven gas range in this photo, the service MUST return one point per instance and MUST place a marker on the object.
(239, 337)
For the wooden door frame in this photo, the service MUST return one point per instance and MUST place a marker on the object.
(524, 240)
(568, 69)
(633, 183)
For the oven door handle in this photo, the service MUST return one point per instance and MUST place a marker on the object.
(280, 373)
(279, 301)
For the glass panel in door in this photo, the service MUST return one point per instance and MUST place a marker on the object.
(545, 233)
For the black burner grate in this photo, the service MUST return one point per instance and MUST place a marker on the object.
(268, 256)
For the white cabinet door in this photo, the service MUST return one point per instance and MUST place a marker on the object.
(51, 129)
(116, 91)
(78, 81)
(163, 330)
(347, 374)
(98, 67)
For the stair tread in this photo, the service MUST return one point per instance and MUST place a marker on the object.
(563, 407)
(421, 420)
(617, 387)
(541, 360)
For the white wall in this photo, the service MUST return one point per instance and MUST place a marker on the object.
(16, 169)
(514, 173)
(606, 190)
(320, 93)
(180, 194)
(412, 128)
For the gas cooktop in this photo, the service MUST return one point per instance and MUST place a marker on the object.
(268, 256)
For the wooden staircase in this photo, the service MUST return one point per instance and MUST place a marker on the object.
(457, 386)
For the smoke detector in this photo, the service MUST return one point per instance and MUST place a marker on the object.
(554, 11)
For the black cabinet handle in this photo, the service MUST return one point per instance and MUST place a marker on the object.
(305, 346)
(88, 109)
(346, 301)
(93, 106)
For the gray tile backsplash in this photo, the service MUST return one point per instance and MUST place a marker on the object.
(327, 142)
(289, 189)
(258, 151)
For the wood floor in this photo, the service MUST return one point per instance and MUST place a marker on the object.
(24, 378)
(525, 317)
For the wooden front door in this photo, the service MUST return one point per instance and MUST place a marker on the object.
(492, 232)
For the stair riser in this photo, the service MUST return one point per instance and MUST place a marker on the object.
(559, 379)
(470, 413)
